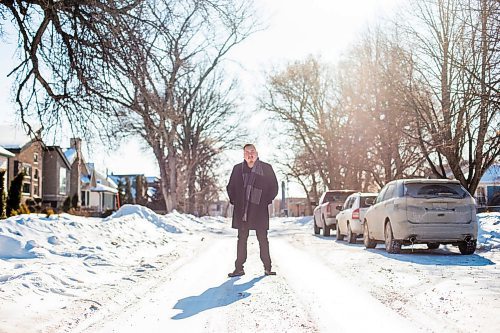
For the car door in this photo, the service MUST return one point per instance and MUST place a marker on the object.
(317, 212)
(344, 214)
(388, 208)
(376, 216)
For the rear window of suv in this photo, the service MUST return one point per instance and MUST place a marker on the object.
(362, 201)
(429, 190)
(336, 196)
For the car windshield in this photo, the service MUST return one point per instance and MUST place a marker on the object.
(362, 201)
(426, 190)
(336, 197)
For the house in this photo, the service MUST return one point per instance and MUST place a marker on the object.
(489, 186)
(102, 190)
(28, 158)
(4, 162)
(56, 177)
(95, 191)
(292, 207)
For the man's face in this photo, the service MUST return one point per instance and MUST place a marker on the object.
(250, 155)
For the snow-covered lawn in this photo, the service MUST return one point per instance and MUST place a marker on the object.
(137, 271)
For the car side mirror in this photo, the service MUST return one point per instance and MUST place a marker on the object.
(369, 201)
(338, 207)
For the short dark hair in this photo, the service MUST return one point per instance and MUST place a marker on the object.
(249, 145)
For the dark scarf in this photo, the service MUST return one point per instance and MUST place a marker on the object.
(252, 194)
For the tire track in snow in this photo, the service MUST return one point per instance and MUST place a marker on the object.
(335, 304)
(197, 296)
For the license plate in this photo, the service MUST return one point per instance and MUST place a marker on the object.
(440, 205)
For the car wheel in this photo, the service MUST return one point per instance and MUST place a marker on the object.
(326, 229)
(432, 246)
(351, 237)
(316, 228)
(391, 245)
(338, 234)
(369, 243)
(467, 247)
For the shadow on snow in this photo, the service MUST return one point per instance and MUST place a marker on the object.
(222, 295)
(439, 257)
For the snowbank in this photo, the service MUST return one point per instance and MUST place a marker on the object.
(68, 255)
(136, 212)
(489, 231)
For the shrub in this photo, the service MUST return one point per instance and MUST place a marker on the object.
(107, 213)
(79, 212)
(23, 209)
(66, 204)
(74, 201)
(49, 211)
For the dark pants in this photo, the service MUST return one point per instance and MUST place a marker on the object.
(241, 255)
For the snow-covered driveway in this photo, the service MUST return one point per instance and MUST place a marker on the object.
(181, 284)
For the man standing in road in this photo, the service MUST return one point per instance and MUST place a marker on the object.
(252, 187)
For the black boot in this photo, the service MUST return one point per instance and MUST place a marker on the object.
(236, 273)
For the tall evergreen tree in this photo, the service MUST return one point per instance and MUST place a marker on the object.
(121, 192)
(2, 195)
(66, 204)
(14, 196)
(128, 199)
(74, 201)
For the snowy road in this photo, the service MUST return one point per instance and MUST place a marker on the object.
(322, 286)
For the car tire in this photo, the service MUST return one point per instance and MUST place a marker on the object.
(391, 245)
(338, 234)
(351, 237)
(369, 243)
(433, 246)
(326, 229)
(316, 228)
(467, 247)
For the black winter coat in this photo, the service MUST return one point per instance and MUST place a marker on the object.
(258, 215)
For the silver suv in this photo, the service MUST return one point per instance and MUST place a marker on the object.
(429, 211)
(352, 214)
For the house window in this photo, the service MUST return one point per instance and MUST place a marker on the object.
(84, 198)
(35, 158)
(62, 180)
(27, 170)
(36, 174)
(26, 188)
(36, 191)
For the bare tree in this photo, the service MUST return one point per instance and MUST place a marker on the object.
(452, 91)
(376, 118)
(299, 168)
(303, 97)
(63, 46)
(166, 69)
(208, 127)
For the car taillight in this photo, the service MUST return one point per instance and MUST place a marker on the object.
(355, 214)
